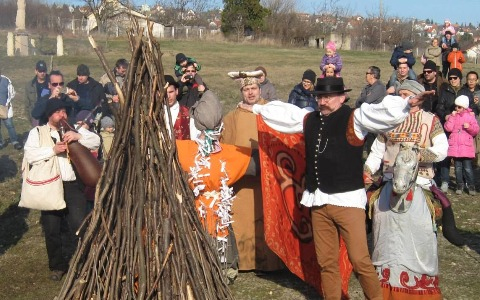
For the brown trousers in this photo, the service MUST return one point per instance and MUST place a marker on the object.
(328, 223)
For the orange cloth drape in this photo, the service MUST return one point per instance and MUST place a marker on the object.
(236, 160)
(288, 226)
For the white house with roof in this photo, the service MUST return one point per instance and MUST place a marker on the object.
(121, 17)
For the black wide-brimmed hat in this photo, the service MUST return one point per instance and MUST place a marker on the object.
(55, 104)
(330, 85)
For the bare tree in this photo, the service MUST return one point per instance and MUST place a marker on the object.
(332, 17)
(279, 7)
(177, 11)
(102, 10)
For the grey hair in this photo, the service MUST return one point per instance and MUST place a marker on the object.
(375, 71)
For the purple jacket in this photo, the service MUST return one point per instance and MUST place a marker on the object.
(335, 60)
(461, 142)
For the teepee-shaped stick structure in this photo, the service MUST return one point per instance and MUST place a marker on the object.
(143, 239)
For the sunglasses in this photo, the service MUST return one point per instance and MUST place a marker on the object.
(55, 84)
(453, 78)
(427, 72)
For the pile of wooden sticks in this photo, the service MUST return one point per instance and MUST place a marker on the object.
(143, 240)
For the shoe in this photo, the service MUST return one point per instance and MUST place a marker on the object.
(459, 190)
(444, 187)
(472, 192)
(231, 275)
(17, 146)
(57, 275)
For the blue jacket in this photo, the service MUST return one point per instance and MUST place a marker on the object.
(398, 53)
(302, 97)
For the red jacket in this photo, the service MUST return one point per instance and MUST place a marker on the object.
(456, 59)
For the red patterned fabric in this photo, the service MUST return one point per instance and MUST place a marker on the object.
(288, 227)
(424, 288)
(181, 128)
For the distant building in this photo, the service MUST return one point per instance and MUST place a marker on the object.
(120, 20)
(343, 42)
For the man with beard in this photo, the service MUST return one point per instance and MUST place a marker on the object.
(76, 203)
(334, 187)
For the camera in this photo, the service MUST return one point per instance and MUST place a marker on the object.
(189, 77)
(64, 90)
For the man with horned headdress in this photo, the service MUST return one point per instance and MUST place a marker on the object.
(241, 130)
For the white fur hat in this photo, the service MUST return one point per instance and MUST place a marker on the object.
(462, 101)
(246, 77)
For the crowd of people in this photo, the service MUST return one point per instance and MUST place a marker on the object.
(433, 112)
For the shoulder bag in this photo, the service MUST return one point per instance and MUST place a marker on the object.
(3, 112)
(42, 186)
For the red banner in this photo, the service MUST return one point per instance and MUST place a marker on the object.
(288, 226)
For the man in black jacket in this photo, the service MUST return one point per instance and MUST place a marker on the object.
(431, 81)
(89, 92)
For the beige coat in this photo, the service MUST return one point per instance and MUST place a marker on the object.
(254, 254)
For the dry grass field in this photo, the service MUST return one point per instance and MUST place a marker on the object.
(23, 262)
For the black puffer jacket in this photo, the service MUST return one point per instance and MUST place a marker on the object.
(446, 101)
(91, 94)
(302, 98)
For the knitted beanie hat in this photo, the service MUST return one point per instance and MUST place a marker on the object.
(180, 57)
(107, 122)
(455, 72)
(310, 75)
(430, 65)
(412, 86)
(462, 101)
(331, 45)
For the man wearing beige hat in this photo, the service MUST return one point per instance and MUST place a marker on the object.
(241, 130)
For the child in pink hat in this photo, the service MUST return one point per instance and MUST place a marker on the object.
(331, 60)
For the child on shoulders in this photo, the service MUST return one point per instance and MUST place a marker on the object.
(331, 60)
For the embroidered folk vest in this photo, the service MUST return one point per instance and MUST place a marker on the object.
(416, 129)
(181, 127)
(333, 152)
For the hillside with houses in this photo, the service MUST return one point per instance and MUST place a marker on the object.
(284, 25)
